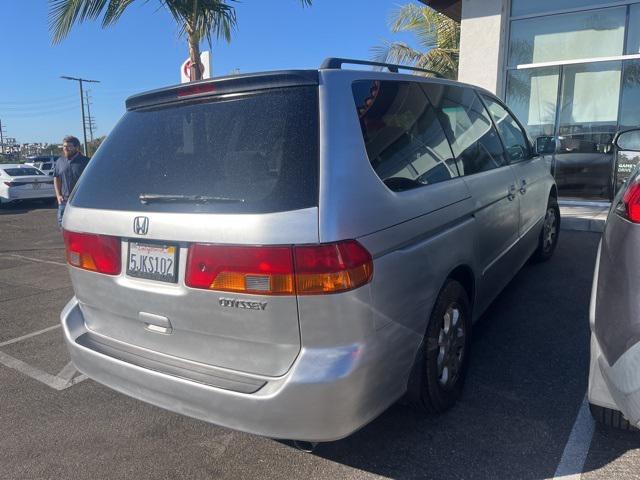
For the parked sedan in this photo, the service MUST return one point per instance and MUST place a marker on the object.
(45, 163)
(20, 182)
(614, 377)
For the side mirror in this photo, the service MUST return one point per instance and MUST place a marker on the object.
(545, 145)
(628, 141)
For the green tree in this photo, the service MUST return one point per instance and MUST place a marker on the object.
(438, 37)
(197, 19)
(95, 143)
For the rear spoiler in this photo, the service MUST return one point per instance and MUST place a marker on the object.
(222, 86)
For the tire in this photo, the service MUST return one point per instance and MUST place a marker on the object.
(548, 239)
(440, 366)
(611, 418)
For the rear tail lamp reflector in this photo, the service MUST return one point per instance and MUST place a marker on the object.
(305, 270)
(629, 206)
(98, 253)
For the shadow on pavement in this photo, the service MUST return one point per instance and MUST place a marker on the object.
(25, 206)
(528, 377)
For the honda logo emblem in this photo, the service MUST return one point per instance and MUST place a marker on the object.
(141, 225)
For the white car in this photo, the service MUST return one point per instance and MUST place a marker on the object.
(22, 182)
(45, 163)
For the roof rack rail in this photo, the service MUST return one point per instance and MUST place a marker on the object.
(336, 63)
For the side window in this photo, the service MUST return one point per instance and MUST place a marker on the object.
(515, 141)
(474, 141)
(405, 143)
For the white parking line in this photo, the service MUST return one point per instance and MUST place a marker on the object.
(577, 447)
(31, 259)
(53, 381)
(29, 335)
(67, 377)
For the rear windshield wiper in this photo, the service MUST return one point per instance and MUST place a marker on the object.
(159, 197)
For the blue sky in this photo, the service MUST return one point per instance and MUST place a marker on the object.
(143, 51)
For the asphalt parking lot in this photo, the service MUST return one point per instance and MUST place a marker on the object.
(522, 415)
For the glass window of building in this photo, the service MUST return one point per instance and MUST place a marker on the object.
(514, 139)
(571, 36)
(633, 38)
(587, 124)
(405, 142)
(468, 127)
(582, 111)
(630, 102)
(532, 95)
(528, 7)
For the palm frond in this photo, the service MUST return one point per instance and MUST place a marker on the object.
(203, 19)
(63, 14)
(437, 35)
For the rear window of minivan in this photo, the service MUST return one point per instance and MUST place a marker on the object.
(244, 153)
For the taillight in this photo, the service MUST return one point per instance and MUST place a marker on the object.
(629, 206)
(262, 270)
(196, 90)
(9, 184)
(331, 268)
(99, 253)
(306, 270)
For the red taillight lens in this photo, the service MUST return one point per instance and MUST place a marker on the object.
(261, 270)
(99, 253)
(629, 207)
(9, 184)
(306, 270)
(196, 90)
(332, 268)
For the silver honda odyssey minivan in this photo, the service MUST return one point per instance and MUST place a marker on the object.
(289, 253)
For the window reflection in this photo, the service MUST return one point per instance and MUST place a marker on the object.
(473, 139)
(587, 125)
(532, 95)
(404, 140)
(591, 34)
(527, 7)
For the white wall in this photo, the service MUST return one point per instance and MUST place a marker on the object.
(483, 43)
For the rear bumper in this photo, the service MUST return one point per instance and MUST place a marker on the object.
(617, 386)
(327, 394)
(614, 386)
(28, 194)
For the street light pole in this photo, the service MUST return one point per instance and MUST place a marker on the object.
(84, 125)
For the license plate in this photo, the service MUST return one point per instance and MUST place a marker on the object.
(153, 261)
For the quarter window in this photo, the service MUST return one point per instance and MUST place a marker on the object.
(405, 143)
(468, 127)
(515, 142)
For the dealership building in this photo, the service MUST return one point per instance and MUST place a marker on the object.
(567, 68)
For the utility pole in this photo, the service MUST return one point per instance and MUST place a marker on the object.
(1, 139)
(90, 121)
(84, 125)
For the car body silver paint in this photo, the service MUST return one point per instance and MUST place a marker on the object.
(330, 363)
(614, 381)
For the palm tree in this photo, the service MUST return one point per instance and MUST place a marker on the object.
(438, 36)
(197, 19)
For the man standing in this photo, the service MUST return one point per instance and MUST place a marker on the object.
(67, 171)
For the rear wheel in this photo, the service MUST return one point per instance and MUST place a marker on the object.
(611, 418)
(548, 239)
(441, 364)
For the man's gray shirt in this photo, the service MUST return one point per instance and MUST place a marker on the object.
(69, 171)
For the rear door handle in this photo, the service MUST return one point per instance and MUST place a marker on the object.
(523, 186)
(511, 193)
